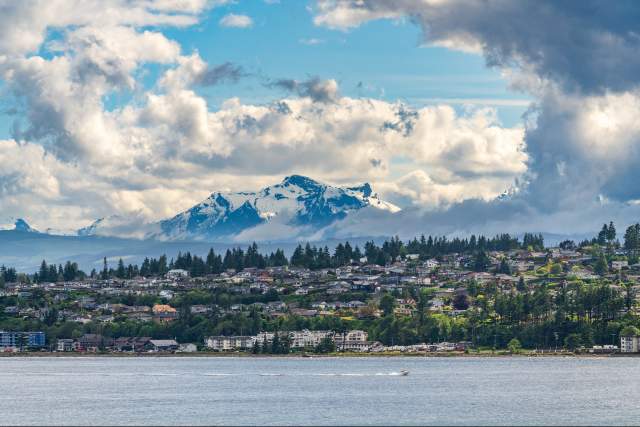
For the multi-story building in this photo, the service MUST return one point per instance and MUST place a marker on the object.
(21, 340)
(307, 339)
(629, 344)
(222, 343)
(355, 340)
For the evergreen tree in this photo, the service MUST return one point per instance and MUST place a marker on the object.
(632, 242)
(504, 267)
(105, 269)
(521, 286)
(601, 267)
(275, 343)
(602, 235)
(611, 233)
(481, 261)
(297, 259)
(43, 273)
(121, 272)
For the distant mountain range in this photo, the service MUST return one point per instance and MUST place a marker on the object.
(297, 201)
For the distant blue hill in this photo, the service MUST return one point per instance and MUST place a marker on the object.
(25, 250)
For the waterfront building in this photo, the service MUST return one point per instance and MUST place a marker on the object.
(307, 339)
(21, 340)
(164, 345)
(222, 343)
(65, 345)
(93, 342)
(630, 344)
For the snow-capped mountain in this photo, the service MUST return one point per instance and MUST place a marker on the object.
(297, 200)
(95, 226)
(17, 224)
(22, 225)
(130, 226)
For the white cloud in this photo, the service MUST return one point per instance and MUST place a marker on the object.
(73, 160)
(236, 21)
(23, 24)
(175, 146)
(582, 141)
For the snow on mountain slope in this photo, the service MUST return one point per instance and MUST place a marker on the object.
(16, 224)
(129, 226)
(22, 225)
(301, 200)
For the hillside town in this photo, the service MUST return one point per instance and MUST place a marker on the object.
(425, 295)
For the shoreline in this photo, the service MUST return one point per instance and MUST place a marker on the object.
(310, 356)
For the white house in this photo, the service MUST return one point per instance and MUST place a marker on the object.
(177, 273)
(432, 263)
(164, 345)
(188, 348)
(65, 344)
(619, 265)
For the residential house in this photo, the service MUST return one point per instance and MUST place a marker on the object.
(65, 345)
(177, 273)
(93, 342)
(187, 348)
(164, 345)
(619, 265)
(200, 309)
(163, 313)
(134, 344)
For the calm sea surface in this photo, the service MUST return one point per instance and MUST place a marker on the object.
(319, 391)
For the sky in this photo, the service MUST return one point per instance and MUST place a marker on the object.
(142, 108)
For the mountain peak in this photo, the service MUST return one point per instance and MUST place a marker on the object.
(22, 225)
(365, 189)
(297, 201)
(301, 181)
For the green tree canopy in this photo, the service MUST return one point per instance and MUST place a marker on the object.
(514, 346)
(629, 331)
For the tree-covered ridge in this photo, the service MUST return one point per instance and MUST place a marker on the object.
(307, 256)
(497, 292)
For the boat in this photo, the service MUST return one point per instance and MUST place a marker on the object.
(404, 372)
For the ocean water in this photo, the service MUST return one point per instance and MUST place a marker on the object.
(314, 391)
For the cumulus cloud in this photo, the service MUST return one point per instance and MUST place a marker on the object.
(23, 24)
(232, 20)
(599, 53)
(315, 88)
(579, 62)
(72, 160)
(193, 71)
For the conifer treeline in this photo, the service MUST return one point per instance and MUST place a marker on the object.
(307, 256)
(8, 275)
